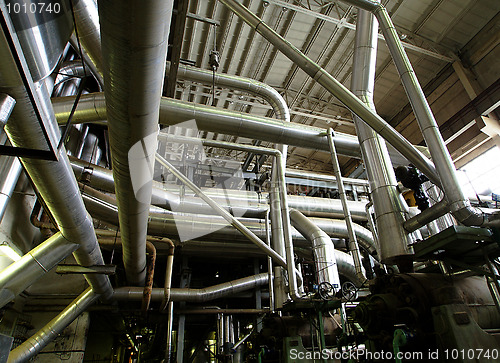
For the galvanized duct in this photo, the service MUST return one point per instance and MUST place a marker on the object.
(458, 203)
(166, 224)
(54, 180)
(390, 208)
(195, 295)
(322, 247)
(245, 203)
(21, 274)
(52, 329)
(134, 36)
(336, 89)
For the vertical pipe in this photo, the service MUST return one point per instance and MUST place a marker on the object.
(270, 266)
(353, 242)
(458, 202)
(134, 37)
(390, 208)
(336, 89)
(170, 324)
(168, 277)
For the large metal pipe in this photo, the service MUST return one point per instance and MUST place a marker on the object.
(244, 203)
(89, 36)
(458, 203)
(167, 224)
(21, 274)
(54, 180)
(322, 247)
(92, 108)
(196, 295)
(244, 84)
(134, 37)
(389, 205)
(10, 170)
(52, 329)
(336, 89)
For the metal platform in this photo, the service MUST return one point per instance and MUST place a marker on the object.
(469, 245)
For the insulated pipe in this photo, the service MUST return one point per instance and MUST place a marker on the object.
(54, 180)
(196, 295)
(244, 84)
(103, 207)
(89, 36)
(458, 203)
(322, 247)
(165, 304)
(389, 206)
(245, 203)
(91, 108)
(228, 217)
(51, 330)
(336, 89)
(430, 214)
(21, 274)
(134, 36)
(10, 170)
(353, 242)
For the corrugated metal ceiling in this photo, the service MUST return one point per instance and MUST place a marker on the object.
(440, 28)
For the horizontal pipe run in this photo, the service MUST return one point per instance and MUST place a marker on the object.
(244, 203)
(92, 108)
(167, 224)
(195, 295)
(21, 274)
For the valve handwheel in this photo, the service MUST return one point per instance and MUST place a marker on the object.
(326, 290)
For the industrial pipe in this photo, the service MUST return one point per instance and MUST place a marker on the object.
(244, 203)
(134, 37)
(52, 329)
(336, 89)
(389, 206)
(196, 295)
(21, 274)
(54, 180)
(458, 203)
(92, 108)
(322, 247)
(166, 304)
(103, 206)
(353, 242)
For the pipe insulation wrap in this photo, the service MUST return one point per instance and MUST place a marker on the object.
(134, 36)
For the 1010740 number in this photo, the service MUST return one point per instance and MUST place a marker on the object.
(34, 8)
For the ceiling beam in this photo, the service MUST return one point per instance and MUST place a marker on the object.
(344, 24)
